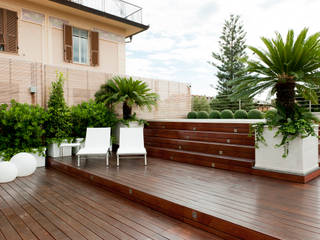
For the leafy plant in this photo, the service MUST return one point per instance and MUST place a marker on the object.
(58, 126)
(283, 68)
(202, 115)
(227, 114)
(241, 114)
(127, 91)
(192, 115)
(21, 129)
(255, 114)
(286, 68)
(90, 114)
(300, 126)
(215, 114)
(200, 103)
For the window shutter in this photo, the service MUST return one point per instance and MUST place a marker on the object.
(67, 43)
(94, 48)
(12, 31)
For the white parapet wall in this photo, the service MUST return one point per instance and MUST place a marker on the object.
(244, 121)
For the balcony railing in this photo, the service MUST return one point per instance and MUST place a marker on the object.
(115, 7)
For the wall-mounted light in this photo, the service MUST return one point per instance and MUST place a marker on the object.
(33, 89)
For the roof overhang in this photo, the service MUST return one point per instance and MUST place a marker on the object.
(128, 27)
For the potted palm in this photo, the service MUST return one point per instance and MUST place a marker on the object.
(129, 93)
(286, 68)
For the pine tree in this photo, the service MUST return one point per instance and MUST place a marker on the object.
(228, 62)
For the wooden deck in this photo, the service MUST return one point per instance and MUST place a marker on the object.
(229, 204)
(51, 205)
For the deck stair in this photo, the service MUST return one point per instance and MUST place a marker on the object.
(218, 145)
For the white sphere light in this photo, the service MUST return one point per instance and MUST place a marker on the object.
(8, 172)
(26, 164)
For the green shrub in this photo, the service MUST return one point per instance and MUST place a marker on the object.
(270, 114)
(192, 115)
(58, 127)
(241, 114)
(90, 114)
(226, 114)
(215, 114)
(21, 129)
(202, 115)
(255, 114)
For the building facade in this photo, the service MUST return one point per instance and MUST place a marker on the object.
(83, 39)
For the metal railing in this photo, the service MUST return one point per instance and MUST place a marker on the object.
(308, 105)
(115, 7)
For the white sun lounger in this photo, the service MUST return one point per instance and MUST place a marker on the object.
(131, 143)
(97, 143)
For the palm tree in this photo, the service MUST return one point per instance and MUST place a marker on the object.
(127, 91)
(284, 68)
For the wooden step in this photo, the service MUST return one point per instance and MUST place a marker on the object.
(222, 149)
(202, 159)
(204, 136)
(214, 127)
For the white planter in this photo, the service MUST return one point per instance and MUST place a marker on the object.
(41, 159)
(25, 163)
(120, 125)
(54, 150)
(8, 172)
(301, 160)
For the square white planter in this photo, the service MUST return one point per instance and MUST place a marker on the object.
(54, 150)
(41, 160)
(302, 158)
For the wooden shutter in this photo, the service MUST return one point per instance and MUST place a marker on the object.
(67, 43)
(94, 49)
(11, 27)
(1, 27)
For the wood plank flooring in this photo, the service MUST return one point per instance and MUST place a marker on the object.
(241, 205)
(51, 205)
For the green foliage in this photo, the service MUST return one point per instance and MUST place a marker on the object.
(227, 114)
(255, 114)
(21, 129)
(215, 115)
(192, 115)
(133, 118)
(222, 102)
(90, 114)
(270, 113)
(230, 65)
(300, 126)
(241, 114)
(286, 66)
(200, 103)
(127, 91)
(58, 126)
(202, 115)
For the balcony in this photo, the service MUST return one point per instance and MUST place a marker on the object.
(117, 8)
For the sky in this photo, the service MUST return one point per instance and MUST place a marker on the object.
(184, 33)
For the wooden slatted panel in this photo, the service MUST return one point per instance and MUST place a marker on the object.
(1, 27)
(67, 42)
(12, 31)
(94, 48)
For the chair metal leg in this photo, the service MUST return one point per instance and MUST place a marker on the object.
(107, 159)
(145, 160)
(118, 160)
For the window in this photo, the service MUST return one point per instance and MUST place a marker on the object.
(80, 42)
(80, 46)
(8, 31)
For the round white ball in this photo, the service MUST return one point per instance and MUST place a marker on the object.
(8, 172)
(25, 163)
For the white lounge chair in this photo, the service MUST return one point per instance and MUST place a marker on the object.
(131, 143)
(97, 143)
